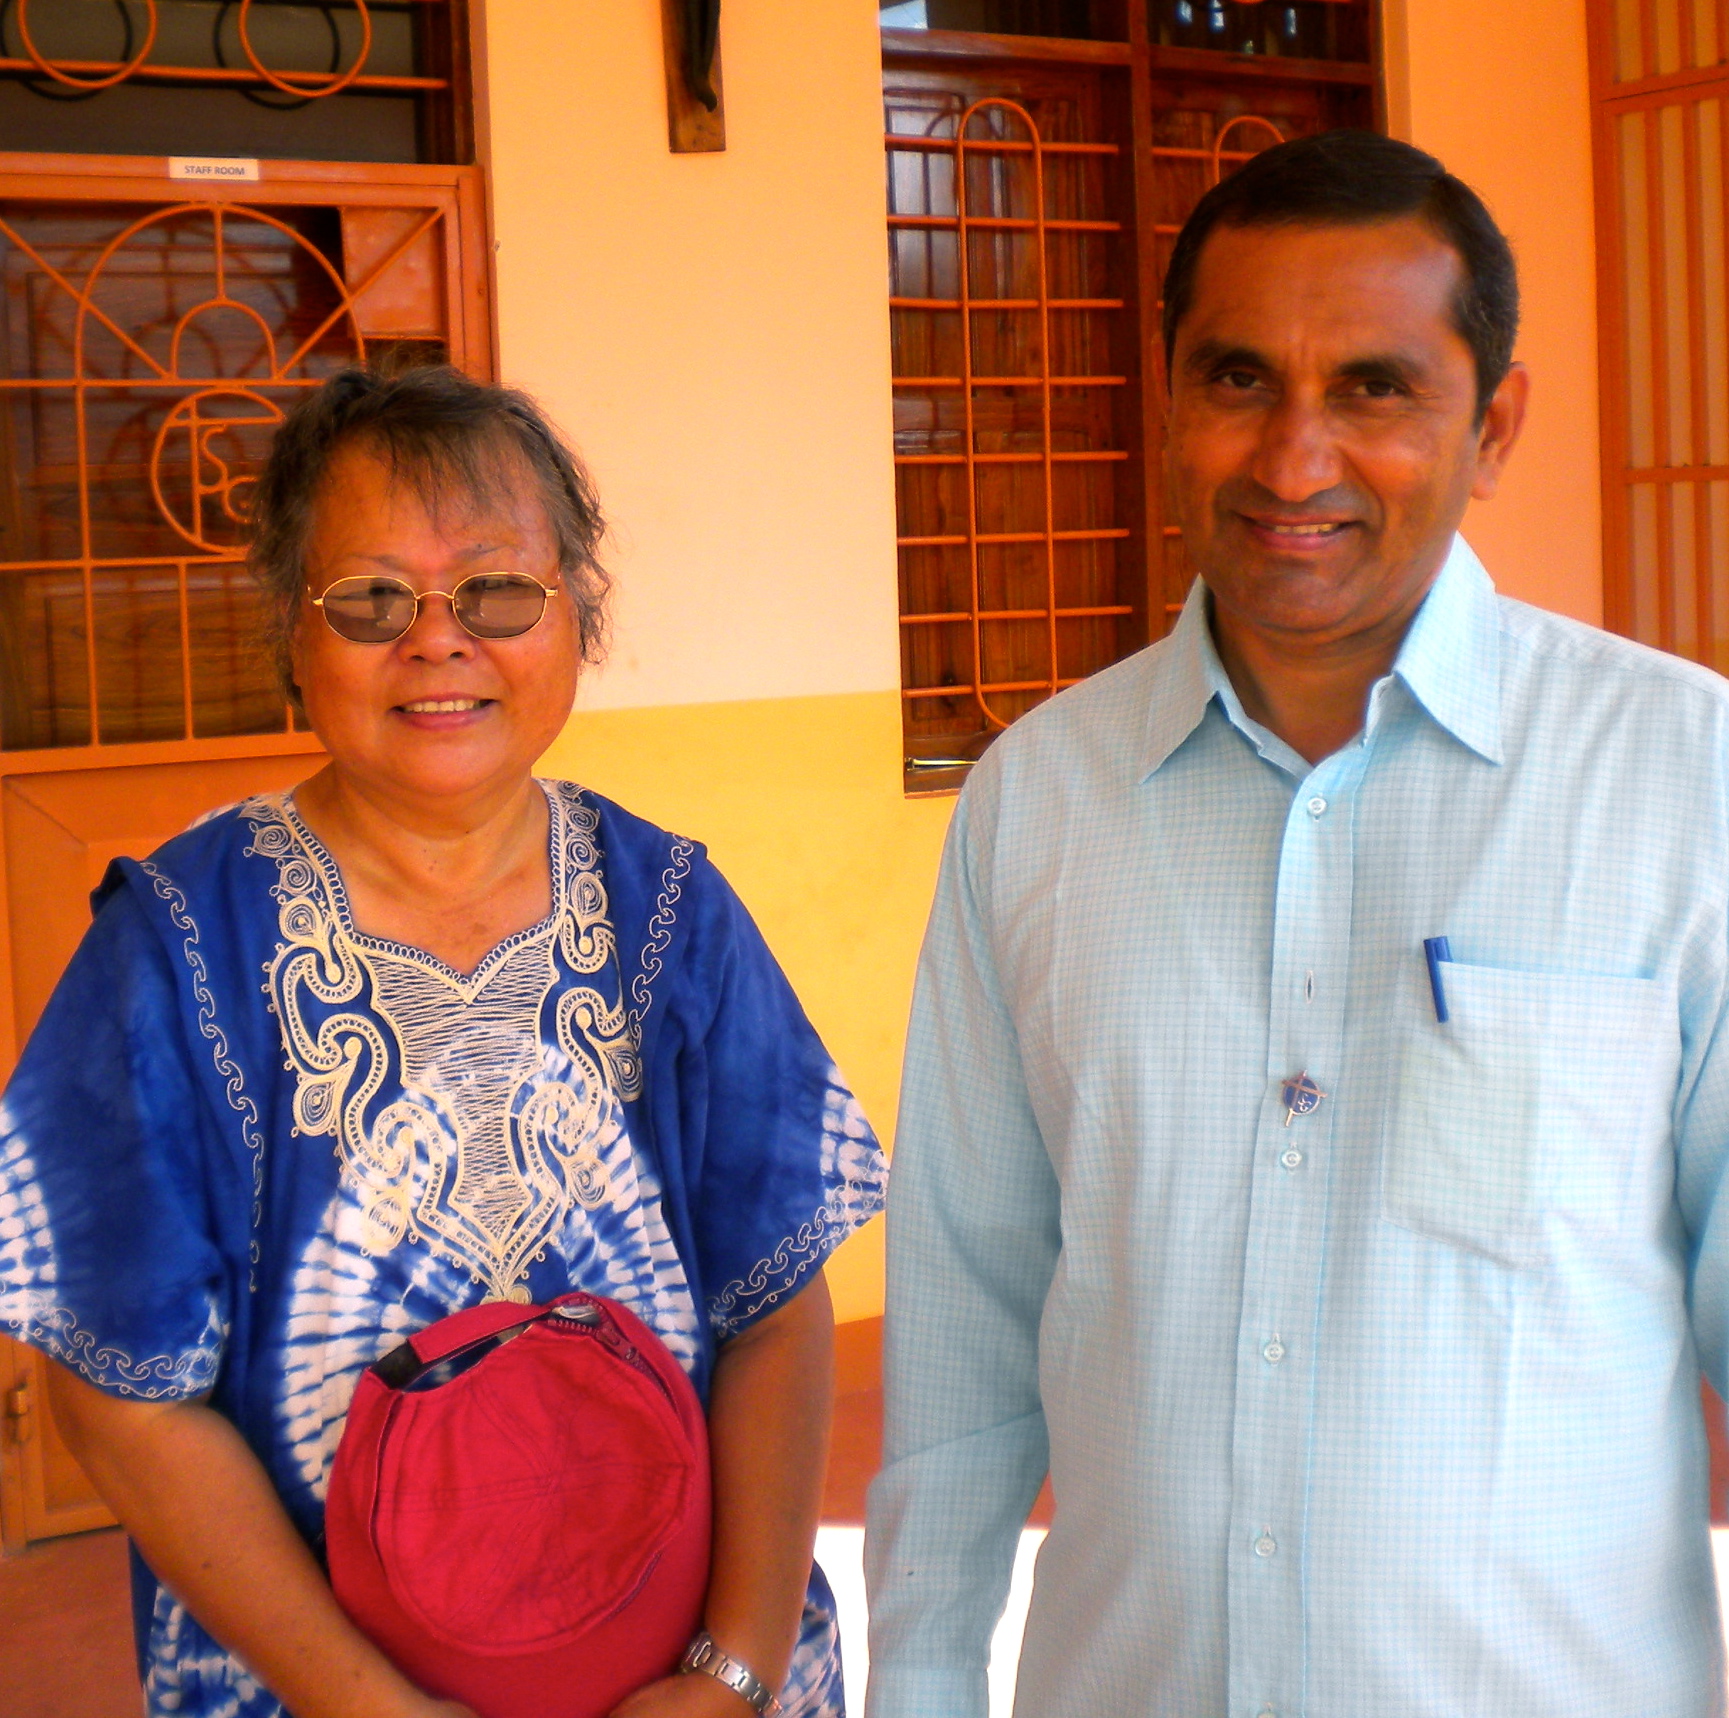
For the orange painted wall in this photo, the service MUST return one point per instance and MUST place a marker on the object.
(712, 332)
(1499, 90)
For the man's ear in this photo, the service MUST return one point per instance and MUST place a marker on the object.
(1500, 430)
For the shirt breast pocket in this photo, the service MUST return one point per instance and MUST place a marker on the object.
(1532, 1107)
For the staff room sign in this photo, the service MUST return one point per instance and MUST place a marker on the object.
(229, 169)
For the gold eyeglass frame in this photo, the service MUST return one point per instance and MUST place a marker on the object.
(450, 596)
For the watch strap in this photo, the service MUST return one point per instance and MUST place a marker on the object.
(705, 1658)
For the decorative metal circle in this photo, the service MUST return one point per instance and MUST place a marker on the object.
(304, 84)
(50, 69)
(224, 216)
(1229, 126)
(211, 476)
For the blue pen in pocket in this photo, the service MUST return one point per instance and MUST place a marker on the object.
(1436, 950)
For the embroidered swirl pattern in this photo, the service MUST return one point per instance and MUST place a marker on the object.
(159, 1376)
(855, 1174)
(660, 930)
(501, 1115)
(227, 1069)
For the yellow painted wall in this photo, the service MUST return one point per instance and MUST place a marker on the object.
(712, 332)
(789, 796)
(1500, 91)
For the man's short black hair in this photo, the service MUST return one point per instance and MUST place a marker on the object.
(1353, 178)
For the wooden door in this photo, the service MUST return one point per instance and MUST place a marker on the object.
(151, 337)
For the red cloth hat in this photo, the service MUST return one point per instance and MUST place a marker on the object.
(519, 1508)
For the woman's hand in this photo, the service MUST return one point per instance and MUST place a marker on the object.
(768, 1417)
(202, 1510)
(684, 1697)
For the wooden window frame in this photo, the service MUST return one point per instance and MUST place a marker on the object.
(1612, 101)
(1140, 63)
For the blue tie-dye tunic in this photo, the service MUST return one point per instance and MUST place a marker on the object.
(249, 1149)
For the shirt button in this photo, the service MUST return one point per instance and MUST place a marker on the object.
(1274, 1352)
(1317, 806)
(1291, 1158)
(1266, 1545)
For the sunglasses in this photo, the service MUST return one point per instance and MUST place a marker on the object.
(373, 608)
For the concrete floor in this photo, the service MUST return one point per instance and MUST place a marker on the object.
(66, 1630)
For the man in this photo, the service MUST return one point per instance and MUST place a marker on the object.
(1354, 1284)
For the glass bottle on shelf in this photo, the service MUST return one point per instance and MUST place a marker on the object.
(1287, 29)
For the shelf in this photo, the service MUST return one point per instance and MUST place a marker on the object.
(1210, 62)
(977, 45)
(899, 45)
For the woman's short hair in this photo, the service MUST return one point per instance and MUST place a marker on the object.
(451, 439)
(1353, 178)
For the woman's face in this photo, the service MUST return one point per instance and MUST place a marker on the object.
(437, 716)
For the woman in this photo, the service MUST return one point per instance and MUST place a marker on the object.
(426, 1031)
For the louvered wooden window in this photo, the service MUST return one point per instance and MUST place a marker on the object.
(1660, 71)
(1035, 185)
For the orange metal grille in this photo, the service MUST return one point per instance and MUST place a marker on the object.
(967, 223)
(146, 356)
(1020, 446)
(1661, 86)
(88, 76)
(1006, 261)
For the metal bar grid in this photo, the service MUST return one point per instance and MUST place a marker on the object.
(977, 692)
(1013, 614)
(1100, 535)
(87, 77)
(225, 76)
(1004, 223)
(1007, 304)
(963, 299)
(1017, 146)
(203, 504)
(1039, 225)
(1009, 381)
(1083, 456)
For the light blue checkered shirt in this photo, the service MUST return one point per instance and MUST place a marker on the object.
(1393, 1411)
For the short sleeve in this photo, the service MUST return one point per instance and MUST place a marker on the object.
(789, 1165)
(107, 1260)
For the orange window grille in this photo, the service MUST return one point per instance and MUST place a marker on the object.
(1019, 427)
(1027, 388)
(362, 80)
(1660, 73)
(146, 356)
(1008, 417)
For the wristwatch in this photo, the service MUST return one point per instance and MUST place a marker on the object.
(703, 1655)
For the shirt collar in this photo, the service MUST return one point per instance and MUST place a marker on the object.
(1450, 661)
(1451, 658)
(1193, 677)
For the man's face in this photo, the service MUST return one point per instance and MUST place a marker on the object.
(1322, 443)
